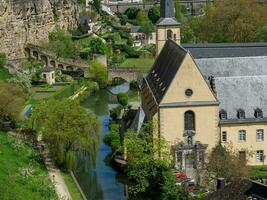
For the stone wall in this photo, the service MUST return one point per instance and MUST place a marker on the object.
(30, 21)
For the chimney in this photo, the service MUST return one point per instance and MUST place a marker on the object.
(220, 183)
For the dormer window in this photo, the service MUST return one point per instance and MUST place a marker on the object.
(223, 115)
(258, 113)
(241, 114)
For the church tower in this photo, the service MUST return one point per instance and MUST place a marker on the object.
(167, 27)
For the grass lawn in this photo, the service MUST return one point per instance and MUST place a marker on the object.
(3, 74)
(143, 63)
(23, 174)
(74, 192)
(259, 171)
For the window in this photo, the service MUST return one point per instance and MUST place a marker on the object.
(52, 75)
(44, 75)
(223, 114)
(190, 140)
(188, 92)
(169, 34)
(241, 114)
(189, 121)
(174, 37)
(242, 136)
(258, 113)
(224, 136)
(260, 135)
(259, 156)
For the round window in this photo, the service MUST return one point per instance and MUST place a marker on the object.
(188, 92)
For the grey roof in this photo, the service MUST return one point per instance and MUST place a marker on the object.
(242, 92)
(167, 21)
(48, 69)
(138, 120)
(239, 66)
(164, 69)
(166, 8)
(222, 50)
(135, 29)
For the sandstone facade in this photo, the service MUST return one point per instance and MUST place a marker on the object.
(30, 21)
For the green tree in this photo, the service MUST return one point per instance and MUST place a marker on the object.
(148, 165)
(178, 11)
(225, 162)
(3, 59)
(11, 102)
(123, 99)
(144, 22)
(132, 12)
(33, 68)
(188, 35)
(261, 33)
(154, 14)
(99, 73)
(230, 21)
(68, 129)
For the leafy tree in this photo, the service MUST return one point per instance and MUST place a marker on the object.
(97, 5)
(33, 68)
(132, 12)
(95, 44)
(115, 112)
(99, 73)
(230, 21)
(3, 59)
(148, 166)
(68, 129)
(188, 35)
(123, 99)
(11, 102)
(144, 22)
(61, 43)
(261, 34)
(154, 14)
(225, 162)
(178, 11)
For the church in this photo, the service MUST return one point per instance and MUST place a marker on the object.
(203, 94)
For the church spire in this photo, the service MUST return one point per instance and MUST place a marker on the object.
(166, 9)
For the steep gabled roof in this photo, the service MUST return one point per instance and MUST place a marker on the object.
(165, 68)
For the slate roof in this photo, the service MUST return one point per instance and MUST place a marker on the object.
(239, 66)
(242, 92)
(48, 69)
(138, 120)
(164, 69)
(222, 50)
(135, 29)
(83, 19)
(167, 21)
(166, 8)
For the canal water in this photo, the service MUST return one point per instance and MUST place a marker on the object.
(101, 182)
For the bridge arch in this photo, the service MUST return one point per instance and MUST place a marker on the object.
(35, 55)
(69, 68)
(60, 66)
(44, 59)
(27, 52)
(53, 63)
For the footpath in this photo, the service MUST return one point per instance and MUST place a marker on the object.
(54, 173)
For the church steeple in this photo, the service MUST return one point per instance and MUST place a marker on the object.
(167, 27)
(166, 8)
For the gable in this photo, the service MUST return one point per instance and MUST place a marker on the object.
(188, 77)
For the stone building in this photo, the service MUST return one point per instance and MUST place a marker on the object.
(141, 38)
(201, 94)
(48, 75)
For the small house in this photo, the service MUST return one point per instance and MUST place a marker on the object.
(48, 75)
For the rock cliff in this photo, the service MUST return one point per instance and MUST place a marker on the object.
(30, 21)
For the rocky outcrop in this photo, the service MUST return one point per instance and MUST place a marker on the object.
(30, 21)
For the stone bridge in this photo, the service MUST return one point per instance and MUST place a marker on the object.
(128, 74)
(52, 60)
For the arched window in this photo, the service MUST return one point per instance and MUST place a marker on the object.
(223, 114)
(258, 113)
(189, 121)
(169, 34)
(241, 114)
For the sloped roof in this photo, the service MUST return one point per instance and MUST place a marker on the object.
(165, 68)
(138, 120)
(167, 21)
(222, 50)
(242, 92)
(238, 66)
(135, 29)
(48, 69)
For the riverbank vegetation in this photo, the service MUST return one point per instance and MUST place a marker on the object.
(23, 174)
(68, 129)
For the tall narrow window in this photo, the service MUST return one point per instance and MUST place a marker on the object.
(260, 135)
(169, 34)
(189, 121)
(242, 136)
(242, 155)
(224, 136)
(260, 155)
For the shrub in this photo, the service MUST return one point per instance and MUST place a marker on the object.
(123, 99)
(115, 112)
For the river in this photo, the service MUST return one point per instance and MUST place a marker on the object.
(101, 182)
